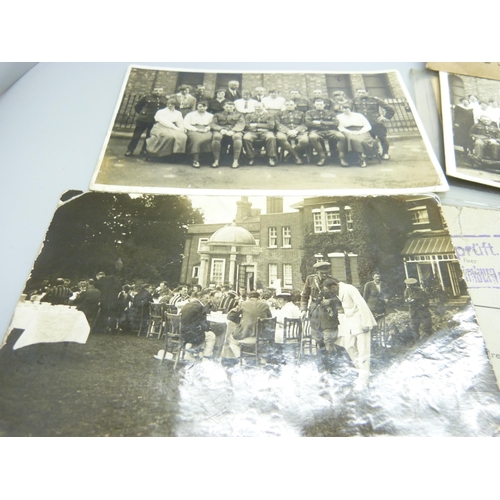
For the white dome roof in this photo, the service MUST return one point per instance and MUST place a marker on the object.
(232, 235)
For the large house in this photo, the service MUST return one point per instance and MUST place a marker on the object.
(397, 236)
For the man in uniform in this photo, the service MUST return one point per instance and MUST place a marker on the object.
(318, 94)
(377, 112)
(486, 139)
(146, 109)
(301, 104)
(200, 95)
(290, 125)
(227, 126)
(323, 125)
(418, 307)
(375, 294)
(321, 310)
(259, 125)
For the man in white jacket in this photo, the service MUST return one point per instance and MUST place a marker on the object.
(356, 321)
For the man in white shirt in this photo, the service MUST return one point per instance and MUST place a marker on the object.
(274, 103)
(246, 104)
(287, 309)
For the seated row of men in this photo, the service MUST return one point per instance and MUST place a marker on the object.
(278, 123)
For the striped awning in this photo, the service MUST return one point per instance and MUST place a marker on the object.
(428, 246)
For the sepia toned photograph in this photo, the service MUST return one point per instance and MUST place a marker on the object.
(152, 315)
(313, 133)
(471, 119)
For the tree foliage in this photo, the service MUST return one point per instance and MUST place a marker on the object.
(91, 232)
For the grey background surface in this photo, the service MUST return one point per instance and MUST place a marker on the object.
(53, 122)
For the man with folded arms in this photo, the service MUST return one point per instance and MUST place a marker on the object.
(259, 125)
(227, 126)
(291, 127)
(323, 126)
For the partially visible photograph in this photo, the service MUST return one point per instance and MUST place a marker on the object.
(471, 120)
(313, 133)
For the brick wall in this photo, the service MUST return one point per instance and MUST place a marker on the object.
(281, 255)
(484, 89)
(397, 91)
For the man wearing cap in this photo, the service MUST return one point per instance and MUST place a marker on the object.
(195, 327)
(314, 306)
(418, 307)
(146, 110)
(287, 309)
(227, 128)
(355, 324)
(249, 311)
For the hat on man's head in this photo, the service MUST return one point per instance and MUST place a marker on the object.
(322, 264)
(254, 295)
(284, 295)
(220, 90)
(411, 281)
(330, 282)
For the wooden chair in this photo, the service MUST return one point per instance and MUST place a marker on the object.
(156, 320)
(292, 334)
(166, 308)
(173, 337)
(306, 341)
(265, 330)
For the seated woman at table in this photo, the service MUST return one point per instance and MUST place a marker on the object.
(356, 128)
(287, 309)
(199, 132)
(168, 135)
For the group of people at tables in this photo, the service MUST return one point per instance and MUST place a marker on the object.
(185, 124)
(476, 127)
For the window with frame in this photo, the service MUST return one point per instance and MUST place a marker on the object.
(201, 242)
(326, 220)
(273, 274)
(196, 272)
(217, 271)
(273, 237)
(287, 276)
(287, 236)
(419, 215)
(348, 218)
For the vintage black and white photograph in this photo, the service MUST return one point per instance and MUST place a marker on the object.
(153, 315)
(471, 118)
(312, 133)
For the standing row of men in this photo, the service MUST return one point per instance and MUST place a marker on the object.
(278, 122)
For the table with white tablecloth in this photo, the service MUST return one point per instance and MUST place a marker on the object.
(45, 323)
